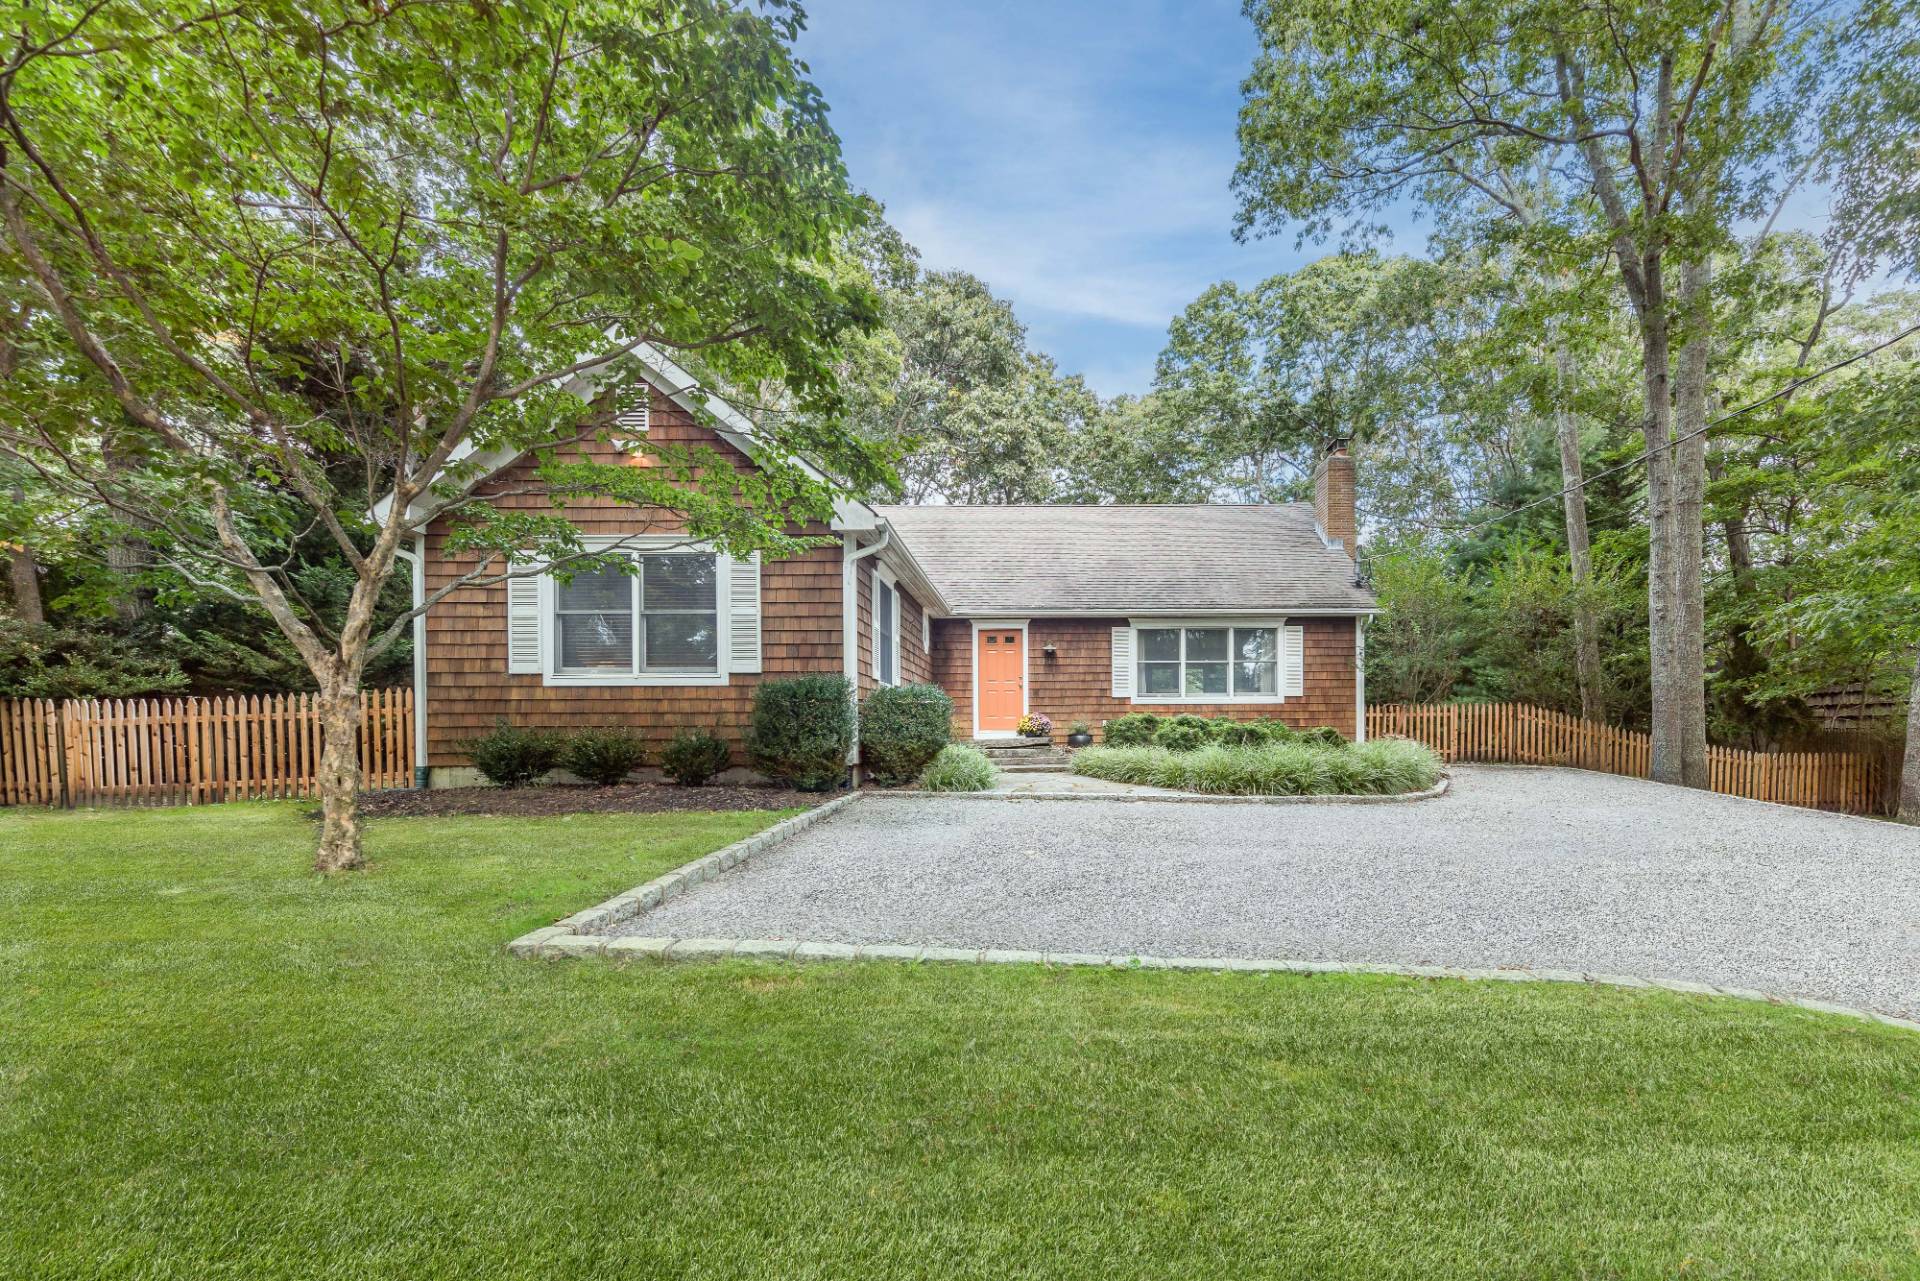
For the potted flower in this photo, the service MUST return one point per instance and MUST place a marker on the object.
(1036, 725)
(1079, 734)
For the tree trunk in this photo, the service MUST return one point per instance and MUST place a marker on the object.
(339, 708)
(1586, 631)
(23, 576)
(1910, 765)
(1666, 724)
(1687, 563)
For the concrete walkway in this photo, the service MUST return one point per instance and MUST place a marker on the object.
(1548, 869)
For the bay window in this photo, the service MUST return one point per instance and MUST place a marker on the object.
(1195, 664)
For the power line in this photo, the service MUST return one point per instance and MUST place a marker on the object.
(1647, 456)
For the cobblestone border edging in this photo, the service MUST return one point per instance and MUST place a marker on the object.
(1180, 798)
(563, 937)
(715, 949)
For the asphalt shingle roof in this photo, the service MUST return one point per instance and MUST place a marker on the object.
(1127, 559)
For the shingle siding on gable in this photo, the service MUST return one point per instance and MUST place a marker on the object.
(468, 688)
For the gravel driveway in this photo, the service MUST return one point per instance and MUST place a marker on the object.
(1551, 869)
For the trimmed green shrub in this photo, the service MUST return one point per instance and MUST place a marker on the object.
(1184, 733)
(693, 756)
(1325, 735)
(959, 768)
(603, 756)
(1135, 729)
(1232, 733)
(1381, 767)
(902, 727)
(802, 731)
(510, 756)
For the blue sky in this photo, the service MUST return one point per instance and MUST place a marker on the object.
(1074, 154)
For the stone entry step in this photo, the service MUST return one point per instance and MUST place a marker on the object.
(1038, 767)
(990, 744)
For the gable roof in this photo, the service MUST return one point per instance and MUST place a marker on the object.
(679, 386)
(1121, 560)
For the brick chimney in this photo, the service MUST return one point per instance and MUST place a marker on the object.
(1333, 497)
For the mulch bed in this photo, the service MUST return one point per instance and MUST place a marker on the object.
(628, 798)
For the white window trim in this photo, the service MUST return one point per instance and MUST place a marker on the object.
(881, 574)
(639, 545)
(1212, 700)
(1026, 669)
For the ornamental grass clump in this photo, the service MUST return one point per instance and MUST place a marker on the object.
(959, 768)
(1384, 767)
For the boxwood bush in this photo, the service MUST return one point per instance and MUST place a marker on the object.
(1378, 768)
(902, 727)
(513, 756)
(693, 756)
(959, 768)
(1184, 733)
(1135, 729)
(603, 756)
(802, 731)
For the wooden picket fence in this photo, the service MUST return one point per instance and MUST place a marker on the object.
(188, 751)
(1520, 734)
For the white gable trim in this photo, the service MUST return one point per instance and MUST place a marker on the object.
(682, 389)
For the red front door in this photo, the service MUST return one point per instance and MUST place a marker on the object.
(1002, 672)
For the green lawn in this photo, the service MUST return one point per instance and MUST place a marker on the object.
(213, 1064)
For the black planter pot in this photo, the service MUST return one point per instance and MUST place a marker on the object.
(1079, 740)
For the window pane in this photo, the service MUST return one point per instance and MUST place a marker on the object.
(677, 582)
(683, 642)
(1159, 644)
(596, 642)
(884, 603)
(1256, 678)
(1159, 678)
(1206, 678)
(1256, 644)
(607, 588)
(1206, 644)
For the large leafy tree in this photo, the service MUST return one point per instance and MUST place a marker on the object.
(1657, 128)
(273, 260)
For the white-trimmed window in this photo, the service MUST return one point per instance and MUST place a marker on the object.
(1204, 663)
(886, 628)
(675, 614)
(661, 618)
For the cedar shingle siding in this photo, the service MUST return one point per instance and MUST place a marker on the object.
(1250, 554)
(1076, 683)
(467, 682)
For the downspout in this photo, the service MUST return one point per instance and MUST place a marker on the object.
(417, 558)
(1360, 678)
(850, 621)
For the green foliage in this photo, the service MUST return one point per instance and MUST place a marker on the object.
(603, 756)
(1304, 768)
(1183, 733)
(512, 756)
(1133, 729)
(693, 756)
(901, 728)
(958, 768)
(802, 730)
(48, 661)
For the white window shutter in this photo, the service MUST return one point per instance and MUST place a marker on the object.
(1123, 662)
(523, 622)
(1293, 656)
(743, 614)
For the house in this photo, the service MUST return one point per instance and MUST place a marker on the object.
(1082, 613)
